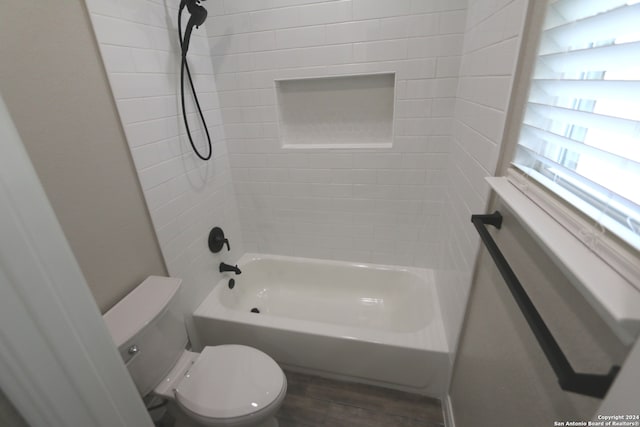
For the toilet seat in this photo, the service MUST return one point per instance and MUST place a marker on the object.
(230, 381)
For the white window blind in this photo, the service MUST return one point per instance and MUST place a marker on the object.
(581, 132)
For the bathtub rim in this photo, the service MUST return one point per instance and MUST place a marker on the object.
(432, 337)
(423, 273)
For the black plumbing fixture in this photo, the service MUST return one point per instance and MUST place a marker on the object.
(226, 267)
(232, 283)
(198, 16)
(217, 240)
(255, 310)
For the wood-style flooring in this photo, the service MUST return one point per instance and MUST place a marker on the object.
(319, 402)
(313, 402)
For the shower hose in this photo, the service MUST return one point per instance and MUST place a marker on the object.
(184, 67)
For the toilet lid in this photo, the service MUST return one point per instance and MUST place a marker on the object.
(230, 381)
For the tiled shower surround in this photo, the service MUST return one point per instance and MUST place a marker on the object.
(371, 205)
(409, 204)
(491, 46)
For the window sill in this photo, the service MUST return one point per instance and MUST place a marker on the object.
(612, 296)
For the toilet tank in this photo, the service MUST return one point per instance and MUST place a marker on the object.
(148, 328)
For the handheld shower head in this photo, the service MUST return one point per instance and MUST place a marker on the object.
(198, 16)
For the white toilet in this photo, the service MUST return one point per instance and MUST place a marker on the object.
(226, 385)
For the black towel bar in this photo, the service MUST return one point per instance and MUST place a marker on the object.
(595, 385)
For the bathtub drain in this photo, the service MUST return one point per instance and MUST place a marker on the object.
(255, 310)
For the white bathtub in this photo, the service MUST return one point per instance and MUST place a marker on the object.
(374, 324)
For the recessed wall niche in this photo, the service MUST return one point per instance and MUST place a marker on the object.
(337, 112)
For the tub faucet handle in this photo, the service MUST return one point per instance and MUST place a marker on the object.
(217, 240)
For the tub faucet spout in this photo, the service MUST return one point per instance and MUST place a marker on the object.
(226, 267)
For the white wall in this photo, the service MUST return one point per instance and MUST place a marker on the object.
(490, 52)
(501, 375)
(377, 205)
(77, 144)
(186, 196)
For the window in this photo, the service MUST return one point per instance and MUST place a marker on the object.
(580, 137)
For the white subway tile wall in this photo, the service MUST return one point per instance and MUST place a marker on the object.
(186, 196)
(492, 40)
(369, 205)
(410, 204)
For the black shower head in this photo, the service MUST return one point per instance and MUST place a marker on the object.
(198, 16)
